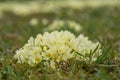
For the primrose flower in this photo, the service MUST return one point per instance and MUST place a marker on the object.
(58, 24)
(44, 21)
(55, 47)
(34, 21)
(29, 53)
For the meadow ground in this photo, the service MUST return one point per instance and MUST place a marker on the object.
(99, 24)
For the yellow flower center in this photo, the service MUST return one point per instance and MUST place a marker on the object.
(45, 48)
(48, 55)
(61, 51)
(37, 59)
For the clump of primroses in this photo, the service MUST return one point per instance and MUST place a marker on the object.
(55, 47)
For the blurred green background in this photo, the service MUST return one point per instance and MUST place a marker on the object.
(100, 18)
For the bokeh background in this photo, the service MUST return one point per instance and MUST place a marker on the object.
(20, 19)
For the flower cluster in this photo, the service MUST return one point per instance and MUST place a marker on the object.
(58, 24)
(55, 47)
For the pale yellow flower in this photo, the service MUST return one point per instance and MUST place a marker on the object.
(58, 24)
(44, 21)
(34, 21)
(53, 64)
(56, 47)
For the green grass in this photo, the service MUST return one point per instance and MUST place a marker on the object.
(100, 24)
